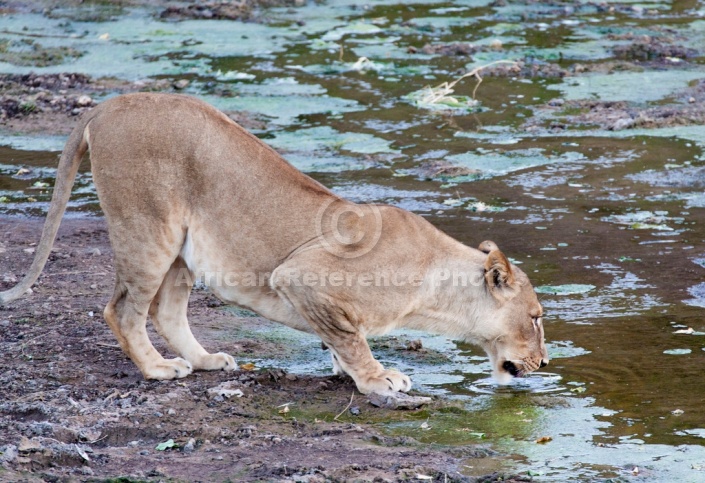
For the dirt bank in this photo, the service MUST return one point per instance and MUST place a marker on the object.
(52, 103)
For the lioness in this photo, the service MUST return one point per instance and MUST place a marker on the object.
(188, 194)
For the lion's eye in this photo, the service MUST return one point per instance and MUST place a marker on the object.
(537, 322)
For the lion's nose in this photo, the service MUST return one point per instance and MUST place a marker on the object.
(544, 363)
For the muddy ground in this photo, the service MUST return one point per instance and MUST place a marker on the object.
(74, 408)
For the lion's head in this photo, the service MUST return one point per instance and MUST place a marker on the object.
(516, 343)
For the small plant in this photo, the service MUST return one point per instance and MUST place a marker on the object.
(28, 107)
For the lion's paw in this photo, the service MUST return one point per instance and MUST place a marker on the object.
(169, 369)
(386, 382)
(216, 362)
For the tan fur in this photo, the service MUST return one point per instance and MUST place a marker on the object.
(189, 194)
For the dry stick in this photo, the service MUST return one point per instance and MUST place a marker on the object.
(109, 346)
(447, 87)
(346, 407)
(476, 70)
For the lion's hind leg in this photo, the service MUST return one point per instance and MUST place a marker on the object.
(142, 257)
(168, 314)
(126, 315)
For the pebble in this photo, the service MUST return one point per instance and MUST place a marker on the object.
(181, 84)
(190, 447)
(622, 124)
(9, 453)
(355, 411)
(84, 101)
(144, 452)
(171, 412)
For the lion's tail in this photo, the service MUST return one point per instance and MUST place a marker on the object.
(75, 148)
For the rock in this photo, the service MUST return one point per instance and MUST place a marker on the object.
(622, 124)
(414, 345)
(156, 472)
(9, 453)
(398, 400)
(190, 447)
(556, 102)
(225, 390)
(355, 411)
(41, 429)
(84, 101)
(181, 84)
(27, 445)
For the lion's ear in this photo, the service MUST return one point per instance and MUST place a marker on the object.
(487, 246)
(499, 276)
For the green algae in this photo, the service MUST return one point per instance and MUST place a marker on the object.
(488, 163)
(324, 137)
(285, 110)
(622, 86)
(568, 289)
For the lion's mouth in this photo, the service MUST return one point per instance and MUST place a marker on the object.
(512, 369)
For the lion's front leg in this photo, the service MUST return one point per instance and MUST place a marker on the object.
(338, 324)
(353, 356)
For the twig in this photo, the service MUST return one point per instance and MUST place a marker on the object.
(110, 346)
(346, 407)
(78, 272)
(97, 440)
(477, 70)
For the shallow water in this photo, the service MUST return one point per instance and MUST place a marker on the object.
(609, 225)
